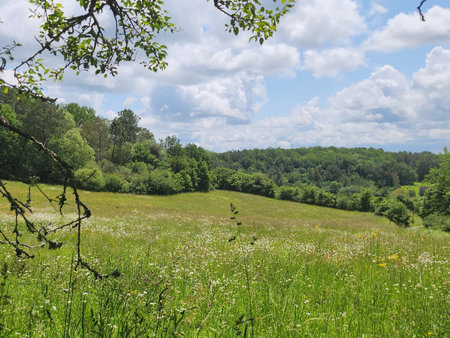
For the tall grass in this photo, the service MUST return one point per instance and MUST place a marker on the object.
(312, 271)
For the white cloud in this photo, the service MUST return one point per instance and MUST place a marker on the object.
(433, 82)
(332, 62)
(129, 101)
(377, 9)
(316, 22)
(235, 98)
(385, 109)
(408, 31)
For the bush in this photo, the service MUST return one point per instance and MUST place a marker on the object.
(365, 203)
(90, 178)
(115, 183)
(163, 182)
(395, 211)
(437, 222)
(184, 180)
(309, 195)
(138, 184)
(289, 194)
(343, 202)
(260, 184)
(325, 199)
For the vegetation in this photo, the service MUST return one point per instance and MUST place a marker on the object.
(117, 155)
(312, 271)
(121, 156)
(436, 204)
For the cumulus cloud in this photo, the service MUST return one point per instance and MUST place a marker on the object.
(332, 62)
(377, 9)
(236, 99)
(387, 108)
(215, 86)
(408, 31)
(316, 22)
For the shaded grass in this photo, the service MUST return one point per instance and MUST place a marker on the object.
(313, 271)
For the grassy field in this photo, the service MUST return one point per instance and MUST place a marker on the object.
(310, 271)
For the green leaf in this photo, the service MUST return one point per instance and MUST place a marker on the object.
(5, 90)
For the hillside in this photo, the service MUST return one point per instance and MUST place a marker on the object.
(311, 271)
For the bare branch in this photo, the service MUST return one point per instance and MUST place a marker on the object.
(419, 8)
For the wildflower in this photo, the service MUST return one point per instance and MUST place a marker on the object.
(135, 292)
(382, 265)
(393, 257)
(429, 333)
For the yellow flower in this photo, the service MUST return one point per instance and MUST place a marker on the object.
(393, 257)
(429, 333)
(135, 292)
(382, 265)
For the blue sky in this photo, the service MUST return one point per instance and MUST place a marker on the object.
(353, 73)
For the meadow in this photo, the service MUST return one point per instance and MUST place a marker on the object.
(187, 269)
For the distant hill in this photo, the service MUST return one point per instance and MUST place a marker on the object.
(325, 166)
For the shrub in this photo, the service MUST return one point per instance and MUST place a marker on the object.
(163, 182)
(365, 203)
(395, 211)
(288, 193)
(437, 222)
(309, 195)
(138, 183)
(115, 183)
(184, 180)
(325, 199)
(90, 178)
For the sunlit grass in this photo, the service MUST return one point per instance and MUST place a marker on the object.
(313, 271)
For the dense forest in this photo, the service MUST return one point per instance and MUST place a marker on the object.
(332, 168)
(120, 156)
(117, 155)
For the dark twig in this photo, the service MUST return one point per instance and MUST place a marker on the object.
(419, 8)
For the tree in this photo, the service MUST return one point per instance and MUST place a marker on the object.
(83, 43)
(124, 129)
(80, 114)
(436, 202)
(96, 132)
(395, 211)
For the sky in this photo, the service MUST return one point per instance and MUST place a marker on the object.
(346, 73)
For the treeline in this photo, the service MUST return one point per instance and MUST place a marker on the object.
(120, 156)
(331, 168)
(112, 155)
(430, 200)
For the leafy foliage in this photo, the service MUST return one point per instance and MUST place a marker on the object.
(436, 203)
(395, 211)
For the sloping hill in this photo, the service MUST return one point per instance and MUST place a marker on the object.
(187, 268)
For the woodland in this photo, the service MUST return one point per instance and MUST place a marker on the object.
(119, 156)
(107, 231)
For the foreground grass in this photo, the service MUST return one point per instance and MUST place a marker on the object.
(312, 271)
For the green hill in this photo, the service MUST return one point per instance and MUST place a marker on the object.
(187, 269)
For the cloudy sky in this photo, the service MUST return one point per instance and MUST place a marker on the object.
(353, 73)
